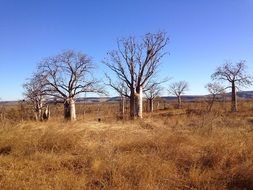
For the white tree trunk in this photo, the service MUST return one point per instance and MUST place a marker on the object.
(72, 109)
(38, 111)
(139, 105)
(36, 116)
(46, 114)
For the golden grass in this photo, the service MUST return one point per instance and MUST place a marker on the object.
(171, 149)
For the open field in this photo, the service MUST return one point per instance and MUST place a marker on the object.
(169, 149)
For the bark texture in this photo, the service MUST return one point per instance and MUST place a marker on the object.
(139, 103)
(70, 109)
(233, 99)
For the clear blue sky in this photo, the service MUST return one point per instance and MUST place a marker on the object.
(203, 34)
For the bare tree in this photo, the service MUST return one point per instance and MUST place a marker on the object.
(135, 63)
(237, 77)
(178, 89)
(66, 76)
(34, 93)
(152, 91)
(215, 89)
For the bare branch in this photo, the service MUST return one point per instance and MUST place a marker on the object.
(135, 63)
(237, 77)
(153, 90)
(178, 88)
(233, 73)
(68, 74)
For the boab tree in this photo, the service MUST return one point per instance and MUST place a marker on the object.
(178, 89)
(135, 63)
(151, 93)
(215, 89)
(66, 76)
(35, 94)
(237, 77)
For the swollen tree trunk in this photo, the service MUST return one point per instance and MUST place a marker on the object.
(139, 106)
(233, 98)
(66, 110)
(179, 101)
(70, 109)
(136, 105)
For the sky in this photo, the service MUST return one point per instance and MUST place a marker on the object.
(203, 35)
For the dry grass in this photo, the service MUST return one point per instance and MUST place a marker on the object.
(171, 149)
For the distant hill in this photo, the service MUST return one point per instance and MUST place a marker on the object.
(185, 98)
(8, 102)
(245, 94)
(241, 95)
(92, 99)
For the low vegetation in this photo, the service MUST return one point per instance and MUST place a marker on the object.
(171, 149)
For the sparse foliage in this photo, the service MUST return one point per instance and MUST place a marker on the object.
(35, 93)
(152, 91)
(135, 63)
(215, 89)
(236, 75)
(178, 89)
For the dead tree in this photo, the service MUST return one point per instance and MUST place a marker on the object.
(135, 63)
(66, 76)
(34, 93)
(237, 77)
(178, 89)
(151, 93)
(215, 89)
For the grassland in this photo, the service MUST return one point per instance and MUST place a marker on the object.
(171, 149)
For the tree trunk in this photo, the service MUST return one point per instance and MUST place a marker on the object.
(139, 104)
(66, 109)
(46, 114)
(158, 105)
(151, 105)
(233, 98)
(132, 105)
(70, 109)
(36, 115)
(211, 103)
(179, 102)
(38, 111)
